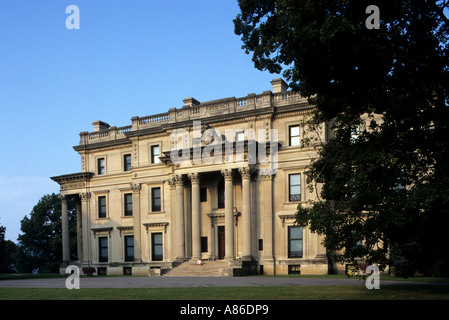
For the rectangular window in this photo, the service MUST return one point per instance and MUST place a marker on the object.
(103, 249)
(203, 194)
(102, 271)
(294, 135)
(101, 168)
(204, 244)
(127, 271)
(102, 207)
(294, 242)
(294, 187)
(221, 194)
(129, 248)
(127, 162)
(294, 269)
(156, 245)
(128, 197)
(155, 153)
(156, 199)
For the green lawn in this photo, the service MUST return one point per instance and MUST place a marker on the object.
(353, 292)
(391, 292)
(13, 276)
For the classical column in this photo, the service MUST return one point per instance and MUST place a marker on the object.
(188, 220)
(79, 231)
(180, 224)
(267, 216)
(137, 223)
(246, 212)
(65, 229)
(229, 214)
(85, 197)
(196, 216)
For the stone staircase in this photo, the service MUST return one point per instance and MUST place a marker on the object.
(206, 269)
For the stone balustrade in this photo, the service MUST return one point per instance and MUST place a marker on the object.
(193, 110)
(111, 133)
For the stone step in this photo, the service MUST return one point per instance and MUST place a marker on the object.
(206, 269)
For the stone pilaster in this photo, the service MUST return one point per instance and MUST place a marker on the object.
(85, 200)
(79, 231)
(180, 222)
(267, 180)
(136, 187)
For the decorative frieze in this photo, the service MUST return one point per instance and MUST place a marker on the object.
(69, 186)
(73, 181)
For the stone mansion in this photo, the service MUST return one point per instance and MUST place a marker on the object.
(214, 182)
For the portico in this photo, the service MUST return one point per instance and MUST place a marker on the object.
(71, 184)
(191, 223)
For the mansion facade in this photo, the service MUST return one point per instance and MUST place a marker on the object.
(210, 181)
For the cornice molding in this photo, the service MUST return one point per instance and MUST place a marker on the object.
(218, 120)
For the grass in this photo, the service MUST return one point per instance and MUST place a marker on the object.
(433, 291)
(382, 277)
(390, 292)
(21, 276)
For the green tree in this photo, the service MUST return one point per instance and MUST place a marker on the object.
(385, 190)
(40, 245)
(7, 250)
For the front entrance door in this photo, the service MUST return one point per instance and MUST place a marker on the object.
(221, 242)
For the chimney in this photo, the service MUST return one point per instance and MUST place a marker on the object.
(190, 102)
(100, 125)
(279, 85)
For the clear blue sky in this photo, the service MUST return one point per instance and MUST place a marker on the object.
(129, 58)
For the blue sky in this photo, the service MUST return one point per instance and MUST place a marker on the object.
(129, 58)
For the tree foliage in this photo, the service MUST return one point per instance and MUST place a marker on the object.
(7, 250)
(40, 245)
(385, 190)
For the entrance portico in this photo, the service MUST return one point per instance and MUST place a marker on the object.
(72, 186)
(191, 222)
